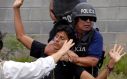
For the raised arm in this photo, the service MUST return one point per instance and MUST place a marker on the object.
(52, 15)
(115, 55)
(19, 28)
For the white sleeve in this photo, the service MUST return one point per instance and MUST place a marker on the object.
(34, 70)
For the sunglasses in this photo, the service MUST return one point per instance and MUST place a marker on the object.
(86, 18)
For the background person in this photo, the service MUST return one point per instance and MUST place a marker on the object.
(61, 9)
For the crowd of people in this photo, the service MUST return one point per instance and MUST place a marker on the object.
(74, 47)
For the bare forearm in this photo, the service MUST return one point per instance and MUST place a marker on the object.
(106, 71)
(87, 61)
(18, 23)
(57, 55)
(51, 11)
(19, 29)
(103, 74)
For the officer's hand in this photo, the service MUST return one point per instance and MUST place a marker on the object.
(73, 59)
(17, 3)
(65, 58)
(116, 53)
(72, 55)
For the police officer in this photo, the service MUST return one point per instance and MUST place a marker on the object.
(61, 9)
(89, 43)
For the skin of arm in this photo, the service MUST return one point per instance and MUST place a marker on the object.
(49, 50)
(37, 69)
(115, 55)
(84, 61)
(19, 28)
(63, 50)
(89, 60)
(51, 10)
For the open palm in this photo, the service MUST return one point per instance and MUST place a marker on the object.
(116, 53)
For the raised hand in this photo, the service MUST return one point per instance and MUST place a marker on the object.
(17, 3)
(116, 53)
(67, 45)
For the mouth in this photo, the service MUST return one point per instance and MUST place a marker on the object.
(56, 45)
(86, 26)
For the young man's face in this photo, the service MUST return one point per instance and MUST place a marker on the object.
(84, 24)
(59, 39)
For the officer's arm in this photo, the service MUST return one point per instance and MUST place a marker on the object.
(86, 61)
(51, 11)
(95, 51)
(20, 34)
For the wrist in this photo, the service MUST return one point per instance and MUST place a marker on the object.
(110, 68)
(111, 63)
(76, 60)
(61, 52)
(16, 9)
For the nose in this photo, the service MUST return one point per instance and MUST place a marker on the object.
(56, 39)
(88, 20)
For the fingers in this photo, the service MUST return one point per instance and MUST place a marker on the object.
(117, 49)
(123, 54)
(111, 51)
(114, 49)
(70, 43)
(120, 50)
(67, 45)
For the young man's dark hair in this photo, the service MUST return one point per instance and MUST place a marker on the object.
(62, 25)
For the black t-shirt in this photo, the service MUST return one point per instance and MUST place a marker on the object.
(60, 72)
(37, 49)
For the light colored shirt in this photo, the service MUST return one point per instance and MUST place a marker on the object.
(34, 70)
(1, 69)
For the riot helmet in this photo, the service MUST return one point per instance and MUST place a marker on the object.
(84, 10)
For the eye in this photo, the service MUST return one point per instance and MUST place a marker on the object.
(62, 38)
(56, 36)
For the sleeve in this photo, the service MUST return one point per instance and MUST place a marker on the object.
(33, 70)
(37, 49)
(96, 46)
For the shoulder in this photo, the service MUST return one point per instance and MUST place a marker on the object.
(97, 35)
(35, 42)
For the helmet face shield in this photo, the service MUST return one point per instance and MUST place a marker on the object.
(84, 10)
